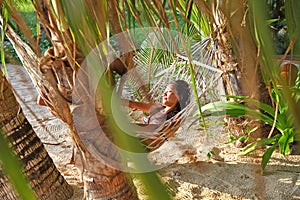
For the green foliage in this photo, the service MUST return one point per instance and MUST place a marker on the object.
(26, 10)
(279, 117)
(278, 26)
(243, 138)
(293, 23)
(296, 88)
(285, 96)
(2, 48)
(196, 24)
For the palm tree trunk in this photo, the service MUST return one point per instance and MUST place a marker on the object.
(44, 178)
(103, 182)
(6, 189)
(241, 71)
(246, 64)
(102, 176)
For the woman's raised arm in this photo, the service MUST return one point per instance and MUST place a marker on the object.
(145, 107)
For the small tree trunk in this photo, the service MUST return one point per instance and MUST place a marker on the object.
(44, 178)
(242, 75)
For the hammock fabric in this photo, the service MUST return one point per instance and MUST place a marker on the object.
(154, 139)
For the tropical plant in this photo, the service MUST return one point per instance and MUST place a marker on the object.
(278, 25)
(281, 135)
(12, 168)
(270, 66)
(281, 116)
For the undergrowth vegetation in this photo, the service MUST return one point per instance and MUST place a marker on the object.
(283, 131)
(27, 11)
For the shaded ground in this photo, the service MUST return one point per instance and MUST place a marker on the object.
(188, 176)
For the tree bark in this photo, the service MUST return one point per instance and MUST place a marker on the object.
(241, 70)
(6, 190)
(44, 178)
(251, 79)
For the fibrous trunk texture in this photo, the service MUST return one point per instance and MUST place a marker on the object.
(44, 178)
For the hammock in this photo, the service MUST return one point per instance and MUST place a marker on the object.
(154, 139)
(210, 89)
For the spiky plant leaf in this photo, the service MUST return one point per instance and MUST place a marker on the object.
(267, 155)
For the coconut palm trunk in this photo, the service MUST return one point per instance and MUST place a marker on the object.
(44, 178)
(6, 189)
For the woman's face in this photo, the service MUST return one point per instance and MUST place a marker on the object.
(170, 97)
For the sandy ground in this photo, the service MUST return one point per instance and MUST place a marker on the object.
(187, 172)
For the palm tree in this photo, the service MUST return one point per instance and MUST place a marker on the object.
(73, 37)
(236, 55)
(44, 178)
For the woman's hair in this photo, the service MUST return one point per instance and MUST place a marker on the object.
(183, 92)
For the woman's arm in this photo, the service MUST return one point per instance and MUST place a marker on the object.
(145, 107)
(146, 128)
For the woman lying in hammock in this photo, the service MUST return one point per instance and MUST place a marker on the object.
(175, 98)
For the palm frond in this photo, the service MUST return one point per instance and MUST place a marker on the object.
(196, 24)
(22, 24)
